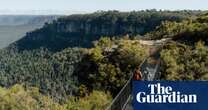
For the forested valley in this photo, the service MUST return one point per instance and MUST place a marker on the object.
(80, 62)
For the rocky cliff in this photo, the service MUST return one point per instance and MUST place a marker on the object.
(81, 30)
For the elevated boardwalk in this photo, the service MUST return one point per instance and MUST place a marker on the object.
(150, 71)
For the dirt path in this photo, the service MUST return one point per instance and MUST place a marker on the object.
(153, 42)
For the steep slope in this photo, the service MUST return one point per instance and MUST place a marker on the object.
(81, 30)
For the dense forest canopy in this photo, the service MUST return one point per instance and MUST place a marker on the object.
(182, 62)
(62, 73)
(19, 98)
(51, 73)
(187, 31)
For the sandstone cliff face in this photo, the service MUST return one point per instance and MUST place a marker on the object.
(82, 30)
(102, 29)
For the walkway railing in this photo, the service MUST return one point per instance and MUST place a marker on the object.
(121, 100)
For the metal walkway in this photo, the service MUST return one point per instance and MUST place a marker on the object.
(149, 70)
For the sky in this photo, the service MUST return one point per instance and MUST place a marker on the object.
(78, 6)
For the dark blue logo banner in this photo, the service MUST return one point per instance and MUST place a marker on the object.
(170, 95)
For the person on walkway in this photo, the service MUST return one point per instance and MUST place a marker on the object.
(137, 74)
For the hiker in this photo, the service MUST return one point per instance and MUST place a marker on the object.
(137, 74)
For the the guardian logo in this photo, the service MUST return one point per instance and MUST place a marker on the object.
(164, 94)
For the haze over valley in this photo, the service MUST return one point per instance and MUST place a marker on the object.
(14, 27)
